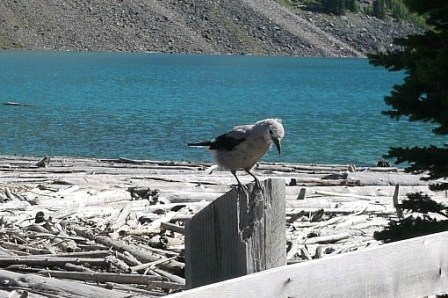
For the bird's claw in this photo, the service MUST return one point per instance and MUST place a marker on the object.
(259, 185)
(243, 188)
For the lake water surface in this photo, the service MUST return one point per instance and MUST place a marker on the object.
(149, 106)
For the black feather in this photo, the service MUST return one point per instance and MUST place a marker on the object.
(222, 142)
(225, 142)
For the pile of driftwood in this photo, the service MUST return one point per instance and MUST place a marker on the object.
(93, 245)
(93, 228)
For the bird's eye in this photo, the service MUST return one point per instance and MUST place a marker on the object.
(270, 131)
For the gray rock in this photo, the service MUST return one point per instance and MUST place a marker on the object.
(202, 26)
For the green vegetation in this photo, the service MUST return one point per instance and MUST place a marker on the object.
(416, 225)
(338, 7)
(394, 8)
(422, 96)
(378, 8)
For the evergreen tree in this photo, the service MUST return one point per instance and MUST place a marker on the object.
(335, 6)
(330, 5)
(423, 96)
(341, 7)
(352, 5)
(379, 10)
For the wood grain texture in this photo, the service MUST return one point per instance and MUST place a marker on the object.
(411, 268)
(237, 234)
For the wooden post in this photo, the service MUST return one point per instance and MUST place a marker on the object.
(237, 234)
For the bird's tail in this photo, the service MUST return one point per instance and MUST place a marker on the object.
(201, 144)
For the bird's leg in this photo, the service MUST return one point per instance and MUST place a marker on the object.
(257, 182)
(240, 186)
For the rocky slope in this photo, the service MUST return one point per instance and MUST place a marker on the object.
(261, 27)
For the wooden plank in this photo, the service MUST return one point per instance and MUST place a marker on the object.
(237, 234)
(411, 268)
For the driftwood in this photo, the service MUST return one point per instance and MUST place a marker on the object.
(129, 215)
(172, 227)
(49, 261)
(122, 217)
(327, 239)
(57, 287)
(170, 276)
(44, 162)
(149, 280)
(140, 254)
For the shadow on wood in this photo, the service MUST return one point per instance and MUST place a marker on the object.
(237, 234)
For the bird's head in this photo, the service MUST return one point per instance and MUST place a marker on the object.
(273, 130)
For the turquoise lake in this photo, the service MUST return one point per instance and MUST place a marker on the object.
(149, 106)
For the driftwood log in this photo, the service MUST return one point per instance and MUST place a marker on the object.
(56, 287)
(127, 217)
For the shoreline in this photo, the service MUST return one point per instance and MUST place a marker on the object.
(120, 159)
(145, 204)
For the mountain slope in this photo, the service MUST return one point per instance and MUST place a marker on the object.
(188, 26)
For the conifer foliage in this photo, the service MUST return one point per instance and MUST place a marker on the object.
(423, 96)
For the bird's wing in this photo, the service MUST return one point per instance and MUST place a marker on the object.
(231, 139)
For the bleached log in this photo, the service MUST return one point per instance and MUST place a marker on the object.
(23, 248)
(170, 276)
(44, 162)
(50, 261)
(77, 268)
(128, 258)
(142, 255)
(154, 227)
(352, 220)
(9, 194)
(151, 264)
(163, 252)
(59, 288)
(66, 245)
(83, 254)
(83, 198)
(172, 227)
(327, 239)
(137, 291)
(386, 179)
(328, 193)
(121, 278)
(5, 252)
(118, 263)
(53, 236)
(68, 190)
(122, 217)
(16, 294)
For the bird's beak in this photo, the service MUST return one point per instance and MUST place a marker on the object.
(277, 144)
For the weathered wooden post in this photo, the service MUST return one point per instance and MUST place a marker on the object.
(237, 234)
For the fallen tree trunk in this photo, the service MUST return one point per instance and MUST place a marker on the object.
(154, 281)
(59, 288)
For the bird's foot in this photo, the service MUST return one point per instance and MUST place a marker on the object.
(243, 188)
(258, 185)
